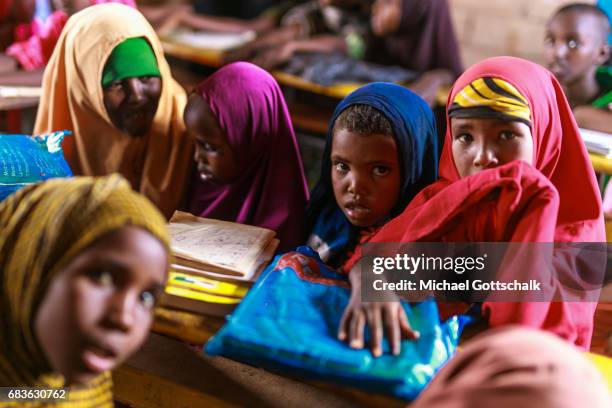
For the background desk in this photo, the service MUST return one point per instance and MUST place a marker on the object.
(214, 59)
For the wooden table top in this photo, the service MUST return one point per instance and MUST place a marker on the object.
(169, 372)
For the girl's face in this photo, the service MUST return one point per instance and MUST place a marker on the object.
(480, 144)
(365, 176)
(132, 103)
(99, 308)
(216, 159)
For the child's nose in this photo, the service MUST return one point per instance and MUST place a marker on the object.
(485, 158)
(357, 185)
(120, 312)
(199, 156)
(560, 50)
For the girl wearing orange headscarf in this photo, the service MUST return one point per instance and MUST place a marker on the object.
(124, 119)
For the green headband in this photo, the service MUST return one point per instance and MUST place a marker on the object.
(134, 57)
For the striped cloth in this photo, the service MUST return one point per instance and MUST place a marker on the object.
(490, 98)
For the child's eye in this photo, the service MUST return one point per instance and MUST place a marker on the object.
(115, 85)
(548, 41)
(573, 44)
(381, 170)
(507, 135)
(147, 299)
(101, 277)
(209, 148)
(341, 167)
(465, 138)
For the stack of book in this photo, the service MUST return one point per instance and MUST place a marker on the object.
(214, 263)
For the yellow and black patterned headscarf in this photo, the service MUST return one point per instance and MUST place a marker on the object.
(42, 228)
(490, 98)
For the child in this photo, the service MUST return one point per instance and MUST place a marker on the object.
(108, 83)
(513, 169)
(380, 152)
(82, 264)
(576, 49)
(249, 165)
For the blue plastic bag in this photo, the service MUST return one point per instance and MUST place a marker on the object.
(288, 323)
(26, 160)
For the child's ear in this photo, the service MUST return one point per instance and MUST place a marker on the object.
(603, 55)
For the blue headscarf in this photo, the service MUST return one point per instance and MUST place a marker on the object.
(414, 131)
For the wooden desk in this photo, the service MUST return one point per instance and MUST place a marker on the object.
(214, 58)
(170, 373)
(8, 104)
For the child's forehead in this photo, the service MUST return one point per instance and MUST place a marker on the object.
(579, 22)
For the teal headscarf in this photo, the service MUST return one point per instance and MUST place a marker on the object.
(134, 57)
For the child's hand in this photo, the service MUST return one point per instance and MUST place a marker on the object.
(375, 314)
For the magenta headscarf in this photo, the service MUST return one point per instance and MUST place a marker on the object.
(272, 192)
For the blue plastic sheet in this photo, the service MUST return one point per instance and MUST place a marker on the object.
(26, 160)
(288, 323)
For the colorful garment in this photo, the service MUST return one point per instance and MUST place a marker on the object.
(517, 202)
(158, 164)
(34, 42)
(414, 131)
(120, 64)
(272, 191)
(42, 228)
(604, 80)
(490, 98)
(424, 41)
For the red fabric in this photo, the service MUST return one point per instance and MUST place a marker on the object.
(5, 8)
(37, 41)
(555, 200)
(353, 255)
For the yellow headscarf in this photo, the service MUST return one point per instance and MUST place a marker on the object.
(490, 98)
(159, 164)
(42, 228)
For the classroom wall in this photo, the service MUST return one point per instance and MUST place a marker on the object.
(488, 28)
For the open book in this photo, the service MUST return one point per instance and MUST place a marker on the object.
(220, 249)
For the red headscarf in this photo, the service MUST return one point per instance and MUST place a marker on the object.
(554, 200)
(5, 8)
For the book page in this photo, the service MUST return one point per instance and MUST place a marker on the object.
(597, 142)
(221, 244)
(212, 41)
